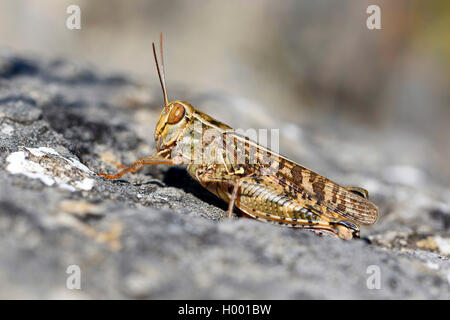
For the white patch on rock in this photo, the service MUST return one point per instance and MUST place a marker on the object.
(7, 129)
(41, 151)
(85, 184)
(18, 164)
(74, 162)
(51, 168)
(443, 245)
(432, 265)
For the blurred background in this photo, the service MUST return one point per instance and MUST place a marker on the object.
(310, 63)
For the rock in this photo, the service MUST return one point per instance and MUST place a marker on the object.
(157, 233)
(19, 110)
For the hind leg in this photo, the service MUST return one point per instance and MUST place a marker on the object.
(234, 196)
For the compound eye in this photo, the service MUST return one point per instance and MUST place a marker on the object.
(176, 114)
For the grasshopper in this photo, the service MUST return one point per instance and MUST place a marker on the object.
(261, 183)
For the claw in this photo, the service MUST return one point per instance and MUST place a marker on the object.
(346, 230)
(105, 175)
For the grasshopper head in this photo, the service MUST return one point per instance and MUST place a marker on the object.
(171, 123)
(175, 115)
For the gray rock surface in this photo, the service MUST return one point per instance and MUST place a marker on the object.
(158, 234)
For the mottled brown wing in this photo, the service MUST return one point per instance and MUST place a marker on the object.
(302, 180)
(335, 197)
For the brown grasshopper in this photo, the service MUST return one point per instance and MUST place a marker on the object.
(261, 183)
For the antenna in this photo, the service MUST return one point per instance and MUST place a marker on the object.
(161, 73)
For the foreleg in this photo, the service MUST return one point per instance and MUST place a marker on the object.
(139, 164)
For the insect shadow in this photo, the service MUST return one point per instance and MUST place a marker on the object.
(179, 178)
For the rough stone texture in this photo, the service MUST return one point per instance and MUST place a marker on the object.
(158, 234)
